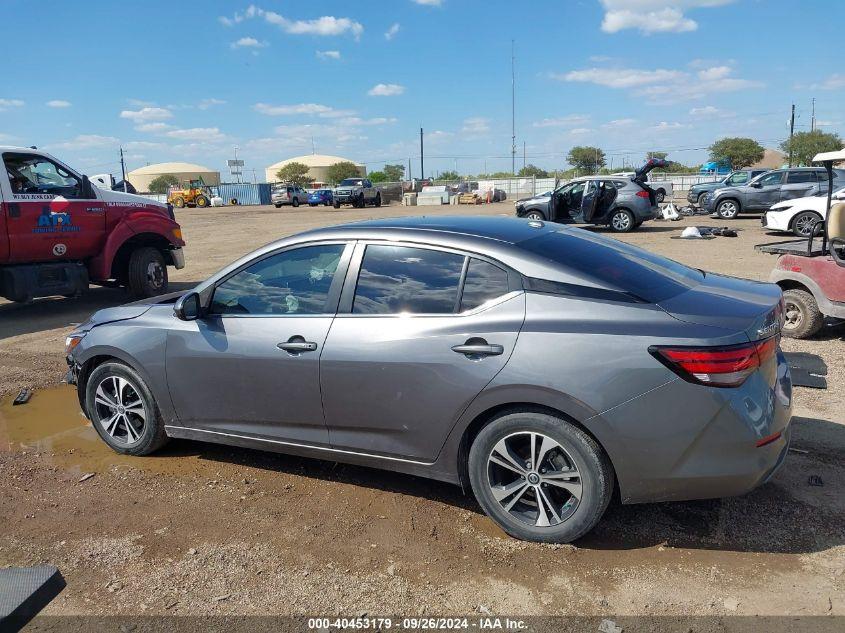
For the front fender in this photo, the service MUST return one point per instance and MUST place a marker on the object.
(129, 226)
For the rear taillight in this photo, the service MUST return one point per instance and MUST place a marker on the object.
(642, 194)
(717, 366)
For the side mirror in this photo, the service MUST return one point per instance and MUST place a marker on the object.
(87, 188)
(188, 307)
(756, 185)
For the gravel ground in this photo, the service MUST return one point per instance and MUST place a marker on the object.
(207, 530)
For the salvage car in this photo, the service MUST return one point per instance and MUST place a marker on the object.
(697, 193)
(799, 215)
(541, 366)
(768, 189)
(294, 195)
(320, 196)
(620, 202)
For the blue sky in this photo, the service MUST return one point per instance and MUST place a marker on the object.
(189, 80)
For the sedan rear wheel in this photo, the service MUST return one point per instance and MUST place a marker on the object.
(123, 411)
(539, 477)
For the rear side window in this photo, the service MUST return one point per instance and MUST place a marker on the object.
(484, 282)
(801, 176)
(615, 265)
(401, 279)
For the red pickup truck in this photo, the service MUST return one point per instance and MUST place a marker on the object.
(59, 232)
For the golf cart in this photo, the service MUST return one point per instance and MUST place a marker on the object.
(811, 272)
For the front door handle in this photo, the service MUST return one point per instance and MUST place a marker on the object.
(478, 349)
(297, 345)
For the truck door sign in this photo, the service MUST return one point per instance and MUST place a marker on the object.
(55, 222)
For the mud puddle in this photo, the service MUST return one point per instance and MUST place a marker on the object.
(52, 425)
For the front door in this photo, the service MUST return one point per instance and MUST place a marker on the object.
(414, 347)
(48, 215)
(766, 194)
(251, 365)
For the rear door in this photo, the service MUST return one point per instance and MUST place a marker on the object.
(799, 183)
(419, 333)
(48, 215)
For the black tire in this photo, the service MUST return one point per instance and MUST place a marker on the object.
(699, 201)
(804, 223)
(593, 466)
(728, 209)
(337, 205)
(638, 224)
(147, 273)
(808, 320)
(202, 201)
(622, 221)
(278, 206)
(660, 195)
(295, 202)
(535, 215)
(378, 199)
(179, 202)
(152, 435)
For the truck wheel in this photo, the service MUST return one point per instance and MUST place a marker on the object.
(178, 202)
(202, 201)
(147, 273)
(336, 205)
(660, 196)
(378, 199)
(803, 318)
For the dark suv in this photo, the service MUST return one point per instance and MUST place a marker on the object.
(739, 177)
(765, 190)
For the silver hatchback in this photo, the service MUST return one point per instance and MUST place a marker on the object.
(540, 366)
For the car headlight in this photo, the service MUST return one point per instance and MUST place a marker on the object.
(72, 341)
(781, 206)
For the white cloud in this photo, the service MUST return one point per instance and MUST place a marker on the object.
(618, 123)
(429, 3)
(205, 104)
(87, 141)
(835, 82)
(665, 126)
(386, 90)
(392, 31)
(653, 16)
(476, 126)
(709, 112)
(662, 85)
(328, 54)
(203, 134)
(580, 131)
(141, 145)
(147, 114)
(379, 120)
(248, 42)
(326, 25)
(58, 103)
(318, 109)
(570, 120)
(10, 103)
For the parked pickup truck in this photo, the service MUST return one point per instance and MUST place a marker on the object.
(359, 192)
(58, 232)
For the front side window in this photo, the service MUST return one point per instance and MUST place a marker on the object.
(484, 282)
(739, 178)
(292, 282)
(29, 173)
(406, 280)
(774, 178)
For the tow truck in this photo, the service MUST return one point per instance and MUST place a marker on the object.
(59, 233)
(811, 271)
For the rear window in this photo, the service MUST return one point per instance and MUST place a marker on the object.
(615, 265)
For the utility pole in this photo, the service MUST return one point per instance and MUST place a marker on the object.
(422, 162)
(513, 110)
(791, 132)
(410, 177)
(523, 154)
(123, 169)
(813, 120)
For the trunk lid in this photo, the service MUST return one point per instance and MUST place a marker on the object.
(751, 307)
(641, 175)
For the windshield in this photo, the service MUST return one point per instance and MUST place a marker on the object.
(351, 182)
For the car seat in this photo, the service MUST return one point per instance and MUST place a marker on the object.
(836, 233)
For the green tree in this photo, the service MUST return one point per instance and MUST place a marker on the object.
(295, 173)
(532, 170)
(740, 152)
(160, 184)
(394, 173)
(501, 174)
(377, 176)
(657, 155)
(805, 145)
(586, 158)
(344, 169)
(449, 175)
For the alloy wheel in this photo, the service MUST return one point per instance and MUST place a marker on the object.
(119, 409)
(534, 215)
(728, 209)
(534, 479)
(155, 275)
(804, 224)
(621, 221)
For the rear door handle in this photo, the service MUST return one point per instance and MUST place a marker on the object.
(478, 349)
(297, 345)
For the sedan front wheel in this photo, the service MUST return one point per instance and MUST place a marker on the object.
(540, 477)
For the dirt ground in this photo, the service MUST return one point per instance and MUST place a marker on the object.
(201, 529)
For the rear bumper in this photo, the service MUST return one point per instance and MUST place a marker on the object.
(684, 441)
